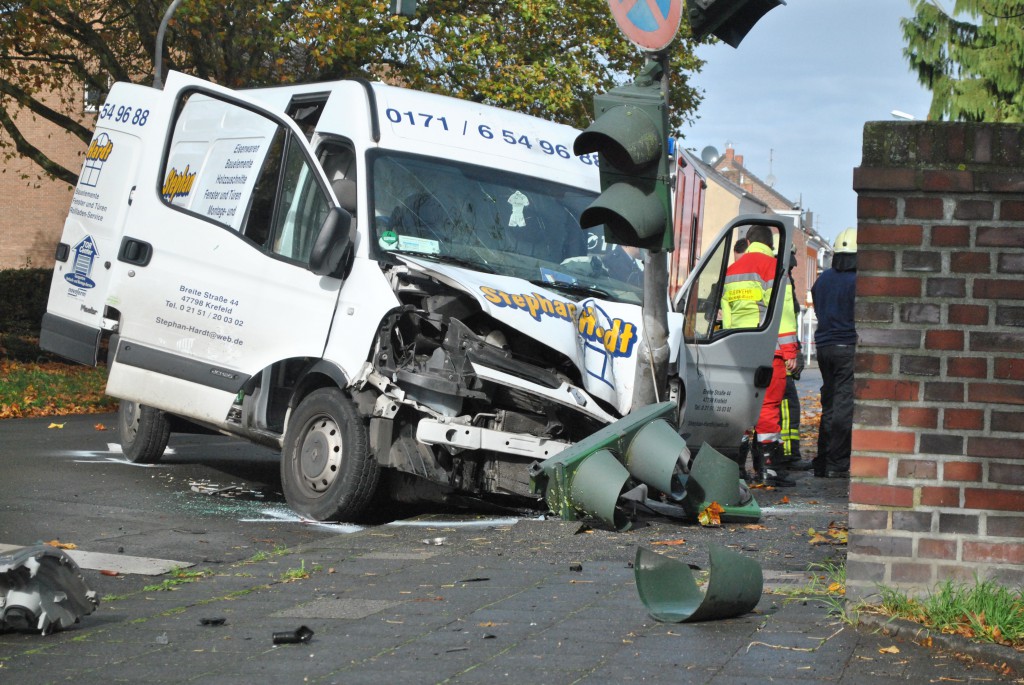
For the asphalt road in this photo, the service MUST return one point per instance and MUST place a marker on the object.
(65, 479)
(429, 597)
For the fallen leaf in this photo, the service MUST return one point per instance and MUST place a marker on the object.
(712, 516)
(100, 427)
(62, 545)
(784, 500)
(680, 541)
(56, 425)
(108, 572)
(889, 650)
(755, 526)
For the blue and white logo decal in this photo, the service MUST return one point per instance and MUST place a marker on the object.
(603, 338)
(85, 254)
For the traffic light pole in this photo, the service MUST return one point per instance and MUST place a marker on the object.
(649, 386)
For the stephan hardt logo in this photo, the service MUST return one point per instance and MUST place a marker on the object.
(178, 183)
(96, 156)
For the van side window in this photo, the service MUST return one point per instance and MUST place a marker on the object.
(242, 170)
(303, 206)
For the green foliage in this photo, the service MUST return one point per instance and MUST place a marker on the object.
(179, 576)
(543, 57)
(24, 297)
(984, 611)
(972, 60)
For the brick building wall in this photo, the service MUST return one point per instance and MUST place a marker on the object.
(32, 206)
(938, 453)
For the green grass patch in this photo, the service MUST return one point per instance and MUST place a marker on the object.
(179, 576)
(985, 611)
(52, 389)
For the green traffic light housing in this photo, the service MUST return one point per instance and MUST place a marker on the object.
(630, 134)
(588, 478)
(727, 20)
(405, 8)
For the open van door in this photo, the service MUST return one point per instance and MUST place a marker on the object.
(726, 372)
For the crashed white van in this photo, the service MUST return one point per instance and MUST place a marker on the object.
(391, 287)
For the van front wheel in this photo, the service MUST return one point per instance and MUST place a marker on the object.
(327, 471)
(144, 432)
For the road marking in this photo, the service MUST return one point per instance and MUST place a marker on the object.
(121, 563)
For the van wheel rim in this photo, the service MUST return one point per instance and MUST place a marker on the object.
(131, 411)
(320, 453)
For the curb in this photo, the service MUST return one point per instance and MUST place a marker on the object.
(999, 656)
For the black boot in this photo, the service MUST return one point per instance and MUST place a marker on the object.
(741, 457)
(774, 472)
(757, 462)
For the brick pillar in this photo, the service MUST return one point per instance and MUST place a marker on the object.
(938, 453)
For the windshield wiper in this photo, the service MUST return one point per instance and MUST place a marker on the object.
(572, 288)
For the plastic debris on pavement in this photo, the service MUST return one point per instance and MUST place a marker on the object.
(41, 589)
(671, 594)
(293, 637)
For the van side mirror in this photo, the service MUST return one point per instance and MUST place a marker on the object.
(334, 249)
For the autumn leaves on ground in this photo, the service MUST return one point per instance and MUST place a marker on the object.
(34, 383)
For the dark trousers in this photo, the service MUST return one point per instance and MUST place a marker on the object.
(834, 437)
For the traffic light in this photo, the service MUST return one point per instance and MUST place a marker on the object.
(406, 8)
(630, 134)
(727, 20)
(589, 477)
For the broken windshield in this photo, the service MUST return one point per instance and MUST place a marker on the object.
(497, 222)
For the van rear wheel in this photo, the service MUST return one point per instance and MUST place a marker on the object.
(144, 432)
(327, 471)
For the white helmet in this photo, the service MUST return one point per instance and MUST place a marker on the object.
(846, 242)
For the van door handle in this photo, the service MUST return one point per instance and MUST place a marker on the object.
(134, 251)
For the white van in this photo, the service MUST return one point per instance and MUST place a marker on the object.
(389, 286)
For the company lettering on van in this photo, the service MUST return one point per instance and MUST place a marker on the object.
(178, 184)
(100, 151)
(616, 336)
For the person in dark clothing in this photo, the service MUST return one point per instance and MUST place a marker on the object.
(836, 342)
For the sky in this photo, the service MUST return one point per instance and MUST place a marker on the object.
(794, 97)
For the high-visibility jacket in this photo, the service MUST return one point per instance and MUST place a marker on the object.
(747, 292)
(788, 341)
(748, 287)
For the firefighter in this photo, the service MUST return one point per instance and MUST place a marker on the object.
(745, 298)
(790, 407)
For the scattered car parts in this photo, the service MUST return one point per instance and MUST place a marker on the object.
(670, 592)
(41, 589)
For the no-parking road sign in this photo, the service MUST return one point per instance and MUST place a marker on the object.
(649, 24)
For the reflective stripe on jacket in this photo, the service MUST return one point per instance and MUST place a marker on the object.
(748, 287)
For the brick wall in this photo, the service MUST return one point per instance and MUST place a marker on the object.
(33, 207)
(938, 452)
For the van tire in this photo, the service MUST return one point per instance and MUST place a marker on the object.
(327, 471)
(144, 432)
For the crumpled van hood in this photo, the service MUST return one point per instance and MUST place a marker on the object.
(601, 337)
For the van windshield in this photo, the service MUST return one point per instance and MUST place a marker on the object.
(497, 222)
